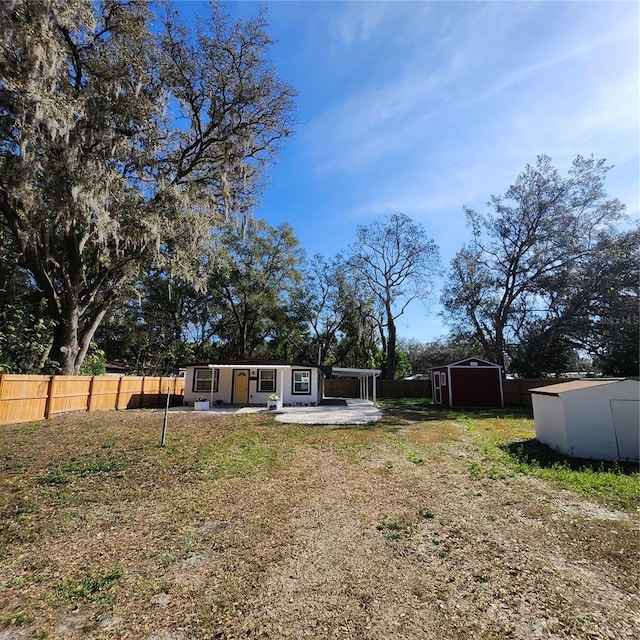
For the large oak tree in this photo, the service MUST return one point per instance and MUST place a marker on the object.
(124, 138)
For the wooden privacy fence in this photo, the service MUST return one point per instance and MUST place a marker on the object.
(516, 392)
(348, 388)
(24, 398)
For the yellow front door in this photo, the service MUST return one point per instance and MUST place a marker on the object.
(240, 386)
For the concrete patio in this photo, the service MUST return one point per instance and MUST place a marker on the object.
(330, 411)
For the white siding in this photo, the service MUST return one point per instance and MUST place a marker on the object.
(589, 423)
(550, 425)
(599, 422)
(283, 385)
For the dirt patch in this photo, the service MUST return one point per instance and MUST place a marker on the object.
(337, 533)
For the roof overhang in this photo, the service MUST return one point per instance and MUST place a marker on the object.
(354, 373)
(251, 366)
(573, 385)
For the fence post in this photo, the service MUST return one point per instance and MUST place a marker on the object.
(118, 393)
(47, 406)
(90, 396)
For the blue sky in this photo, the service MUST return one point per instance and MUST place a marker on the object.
(425, 107)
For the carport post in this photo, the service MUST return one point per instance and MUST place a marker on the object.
(281, 385)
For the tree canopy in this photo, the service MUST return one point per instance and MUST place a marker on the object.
(125, 137)
(522, 286)
(395, 261)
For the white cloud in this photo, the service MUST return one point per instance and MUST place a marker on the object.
(398, 113)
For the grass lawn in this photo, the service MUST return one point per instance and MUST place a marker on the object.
(429, 524)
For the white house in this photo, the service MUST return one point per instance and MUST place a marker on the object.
(252, 382)
(597, 419)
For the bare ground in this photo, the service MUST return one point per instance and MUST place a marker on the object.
(344, 537)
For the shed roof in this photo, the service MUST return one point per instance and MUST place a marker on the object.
(573, 385)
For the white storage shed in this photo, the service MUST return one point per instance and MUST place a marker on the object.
(598, 419)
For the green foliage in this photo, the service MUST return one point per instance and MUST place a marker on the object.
(396, 528)
(614, 482)
(94, 363)
(17, 619)
(82, 467)
(241, 458)
(543, 350)
(25, 326)
(614, 336)
(166, 323)
(255, 279)
(424, 356)
(403, 364)
(340, 315)
(409, 451)
(504, 454)
(25, 340)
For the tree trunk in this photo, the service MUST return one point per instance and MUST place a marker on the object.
(73, 335)
(65, 348)
(498, 349)
(390, 372)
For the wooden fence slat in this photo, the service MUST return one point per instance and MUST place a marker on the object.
(350, 388)
(69, 393)
(130, 396)
(104, 393)
(23, 398)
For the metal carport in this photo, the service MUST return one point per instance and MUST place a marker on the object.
(363, 375)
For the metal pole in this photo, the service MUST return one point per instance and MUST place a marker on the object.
(166, 418)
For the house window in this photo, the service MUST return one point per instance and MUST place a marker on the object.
(301, 382)
(202, 379)
(443, 379)
(267, 380)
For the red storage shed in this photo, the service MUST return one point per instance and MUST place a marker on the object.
(468, 383)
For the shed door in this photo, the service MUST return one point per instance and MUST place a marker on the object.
(626, 417)
(437, 389)
(240, 386)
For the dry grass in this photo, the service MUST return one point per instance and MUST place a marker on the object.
(427, 525)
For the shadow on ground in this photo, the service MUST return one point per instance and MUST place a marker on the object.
(422, 411)
(535, 453)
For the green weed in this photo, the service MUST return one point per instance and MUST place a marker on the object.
(189, 545)
(242, 459)
(93, 586)
(17, 619)
(81, 467)
(396, 528)
(408, 451)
